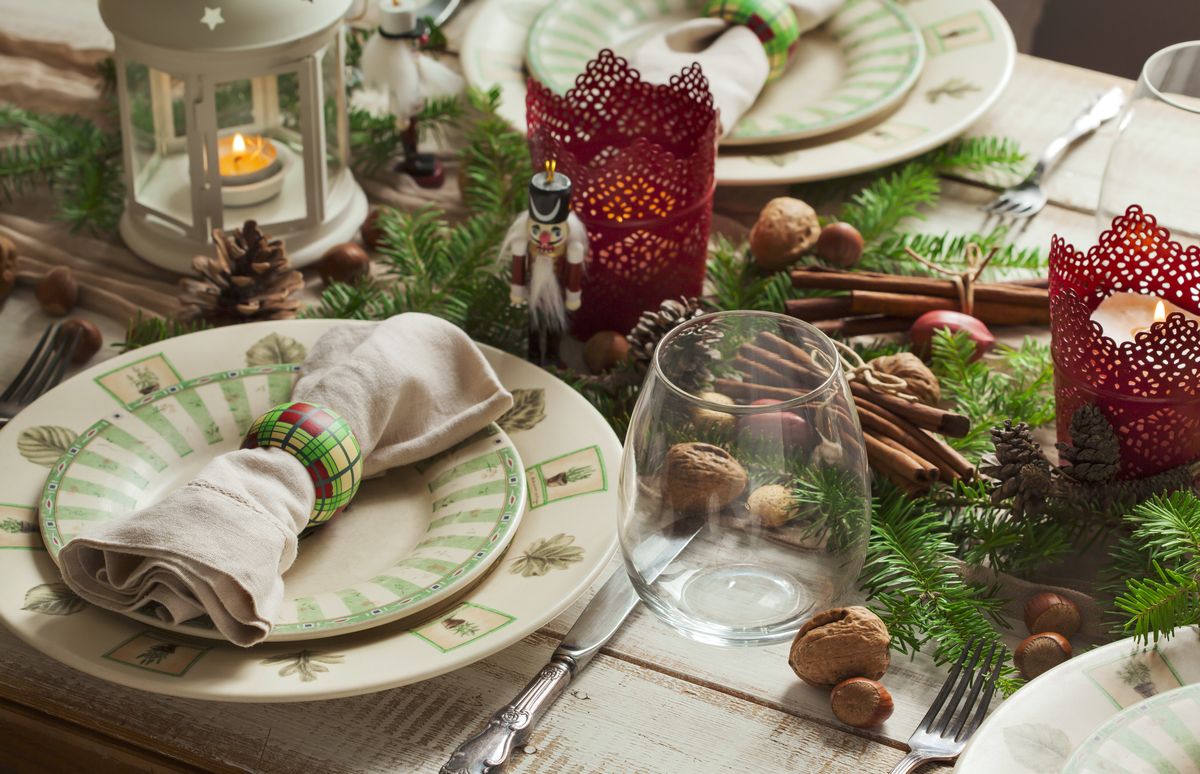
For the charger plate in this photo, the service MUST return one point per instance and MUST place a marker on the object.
(969, 59)
(411, 540)
(563, 542)
(859, 63)
(1063, 715)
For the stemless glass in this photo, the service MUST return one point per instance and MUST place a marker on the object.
(745, 494)
(1155, 159)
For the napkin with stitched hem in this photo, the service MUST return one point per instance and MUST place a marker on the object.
(409, 387)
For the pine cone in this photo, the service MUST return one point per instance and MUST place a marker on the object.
(695, 354)
(249, 279)
(1094, 453)
(1024, 474)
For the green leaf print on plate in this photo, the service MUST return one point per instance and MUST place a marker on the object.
(529, 409)
(1036, 747)
(306, 664)
(546, 554)
(52, 599)
(43, 445)
(274, 348)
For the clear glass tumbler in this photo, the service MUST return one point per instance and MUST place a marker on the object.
(1155, 159)
(745, 493)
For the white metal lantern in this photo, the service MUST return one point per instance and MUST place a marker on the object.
(233, 110)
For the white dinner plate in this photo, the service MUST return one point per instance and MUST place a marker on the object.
(970, 54)
(412, 539)
(858, 64)
(1065, 712)
(562, 544)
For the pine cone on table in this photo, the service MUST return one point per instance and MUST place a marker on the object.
(1024, 474)
(249, 279)
(1094, 453)
(691, 367)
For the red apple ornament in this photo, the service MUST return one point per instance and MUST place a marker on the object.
(775, 427)
(921, 333)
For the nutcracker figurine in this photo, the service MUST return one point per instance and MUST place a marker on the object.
(393, 65)
(548, 245)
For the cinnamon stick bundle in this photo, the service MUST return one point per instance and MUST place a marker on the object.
(1027, 292)
(926, 417)
(866, 302)
(863, 326)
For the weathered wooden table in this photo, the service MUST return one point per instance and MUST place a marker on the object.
(650, 702)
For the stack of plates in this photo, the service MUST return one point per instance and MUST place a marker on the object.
(876, 84)
(434, 566)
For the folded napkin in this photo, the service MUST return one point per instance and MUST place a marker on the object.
(409, 387)
(731, 56)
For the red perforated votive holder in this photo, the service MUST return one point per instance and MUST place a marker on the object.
(640, 157)
(1148, 388)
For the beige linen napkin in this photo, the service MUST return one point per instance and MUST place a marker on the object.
(731, 56)
(409, 387)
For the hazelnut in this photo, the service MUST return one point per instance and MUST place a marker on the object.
(840, 245)
(840, 643)
(711, 419)
(8, 267)
(57, 292)
(861, 703)
(921, 381)
(1051, 612)
(700, 476)
(89, 341)
(371, 232)
(1040, 653)
(604, 350)
(786, 229)
(346, 262)
(772, 505)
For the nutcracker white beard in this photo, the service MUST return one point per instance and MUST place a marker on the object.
(545, 295)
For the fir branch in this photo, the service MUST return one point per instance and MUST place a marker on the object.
(142, 331)
(1021, 391)
(735, 283)
(879, 208)
(889, 254)
(438, 113)
(373, 140)
(913, 584)
(496, 160)
(1156, 607)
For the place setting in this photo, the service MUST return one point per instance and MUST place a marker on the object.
(390, 385)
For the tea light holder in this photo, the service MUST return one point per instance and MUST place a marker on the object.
(641, 157)
(1143, 375)
(233, 110)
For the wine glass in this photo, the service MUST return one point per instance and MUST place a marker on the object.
(744, 490)
(1156, 155)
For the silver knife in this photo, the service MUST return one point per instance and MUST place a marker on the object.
(487, 752)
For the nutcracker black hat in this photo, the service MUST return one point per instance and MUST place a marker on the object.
(549, 196)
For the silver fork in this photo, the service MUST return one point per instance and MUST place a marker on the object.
(43, 369)
(941, 736)
(1026, 198)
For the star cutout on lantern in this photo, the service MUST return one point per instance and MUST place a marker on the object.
(212, 17)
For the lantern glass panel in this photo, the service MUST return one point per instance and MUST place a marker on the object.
(260, 148)
(158, 141)
(332, 95)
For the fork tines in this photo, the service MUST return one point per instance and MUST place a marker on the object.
(45, 366)
(971, 670)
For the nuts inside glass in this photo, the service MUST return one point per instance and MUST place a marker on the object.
(745, 497)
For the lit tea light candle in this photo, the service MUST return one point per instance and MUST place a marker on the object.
(1124, 315)
(246, 160)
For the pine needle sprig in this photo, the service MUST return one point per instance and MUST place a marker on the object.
(912, 582)
(734, 282)
(142, 331)
(889, 255)
(879, 208)
(1156, 607)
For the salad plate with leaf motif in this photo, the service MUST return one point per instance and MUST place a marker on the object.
(1103, 710)
(420, 557)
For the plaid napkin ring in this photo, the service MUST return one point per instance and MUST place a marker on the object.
(324, 444)
(773, 21)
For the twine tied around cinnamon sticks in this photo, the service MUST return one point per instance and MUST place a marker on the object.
(964, 281)
(858, 369)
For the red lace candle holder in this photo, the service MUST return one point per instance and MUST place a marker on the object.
(1147, 388)
(640, 157)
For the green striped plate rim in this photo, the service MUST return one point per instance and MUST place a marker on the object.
(880, 45)
(474, 494)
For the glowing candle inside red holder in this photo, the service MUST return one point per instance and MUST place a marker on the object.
(1125, 333)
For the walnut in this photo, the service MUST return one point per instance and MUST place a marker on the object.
(921, 381)
(786, 229)
(700, 476)
(838, 644)
(8, 267)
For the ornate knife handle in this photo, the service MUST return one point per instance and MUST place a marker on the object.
(487, 752)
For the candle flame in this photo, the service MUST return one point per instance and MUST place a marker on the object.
(239, 143)
(1160, 312)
